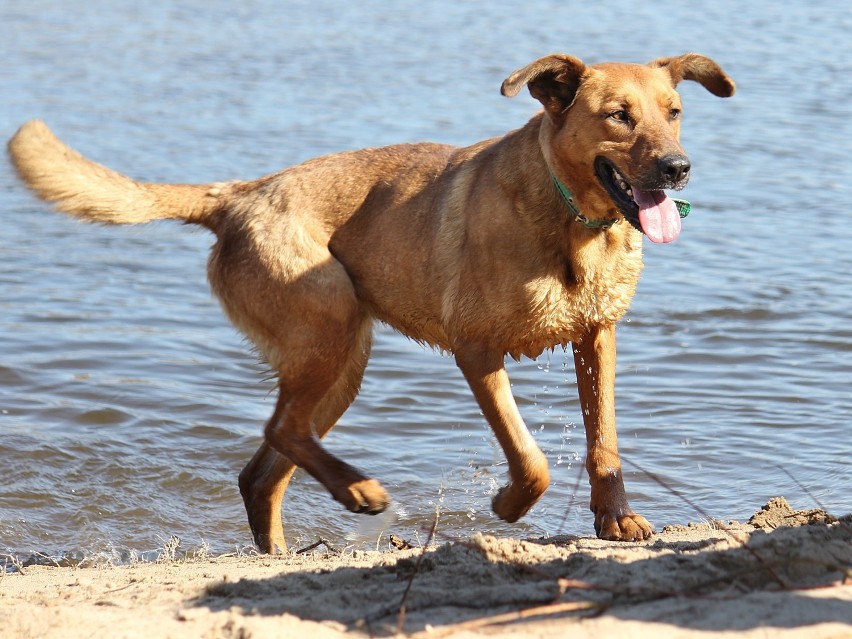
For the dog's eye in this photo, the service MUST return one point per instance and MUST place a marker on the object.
(620, 116)
(674, 114)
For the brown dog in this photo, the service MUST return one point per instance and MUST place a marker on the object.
(511, 246)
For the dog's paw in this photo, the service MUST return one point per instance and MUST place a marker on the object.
(507, 508)
(365, 496)
(513, 502)
(629, 527)
(270, 544)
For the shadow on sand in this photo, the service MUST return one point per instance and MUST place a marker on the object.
(697, 577)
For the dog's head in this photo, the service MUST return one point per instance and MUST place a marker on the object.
(612, 132)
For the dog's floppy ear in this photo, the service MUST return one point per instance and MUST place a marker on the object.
(699, 68)
(552, 80)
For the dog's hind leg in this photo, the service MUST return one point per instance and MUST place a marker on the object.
(293, 432)
(263, 483)
(296, 302)
(304, 314)
(265, 478)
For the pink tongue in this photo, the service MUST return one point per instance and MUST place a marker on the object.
(658, 215)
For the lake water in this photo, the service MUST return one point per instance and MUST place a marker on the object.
(128, 404)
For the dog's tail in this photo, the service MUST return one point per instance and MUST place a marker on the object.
(94, 193)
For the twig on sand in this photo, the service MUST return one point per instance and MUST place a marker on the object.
(401, 618)
(46, 560)
(317, 544)
(14, 562)
(509, 617)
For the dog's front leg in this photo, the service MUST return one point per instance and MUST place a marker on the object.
(594, 361)
(528, 475)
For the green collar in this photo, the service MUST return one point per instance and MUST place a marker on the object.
(683, 207)
(582, 219)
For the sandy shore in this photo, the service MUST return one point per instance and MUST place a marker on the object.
(783, 574)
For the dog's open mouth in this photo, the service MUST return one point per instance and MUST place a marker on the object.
(650, 211)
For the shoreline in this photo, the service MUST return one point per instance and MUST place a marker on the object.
(784, 573)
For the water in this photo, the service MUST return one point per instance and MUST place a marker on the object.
(128, 404)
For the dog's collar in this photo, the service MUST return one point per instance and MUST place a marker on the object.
(582, 219)
(683, 207)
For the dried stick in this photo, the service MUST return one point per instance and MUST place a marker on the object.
(401, 618)
(509, 617)
(317, 544)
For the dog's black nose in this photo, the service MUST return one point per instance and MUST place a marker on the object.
(674, 168)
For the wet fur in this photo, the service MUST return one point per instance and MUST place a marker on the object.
(469, 250)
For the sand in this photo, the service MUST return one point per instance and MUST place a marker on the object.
(783, 574)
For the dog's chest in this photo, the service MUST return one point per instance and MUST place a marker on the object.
(561, 309)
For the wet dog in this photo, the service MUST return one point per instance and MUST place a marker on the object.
(511, 246)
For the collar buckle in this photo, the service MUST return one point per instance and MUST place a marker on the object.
(596, 224)
(568, 198)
